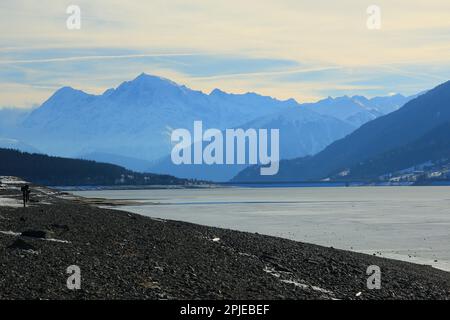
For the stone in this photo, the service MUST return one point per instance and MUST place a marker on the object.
(35, 234)
(20, 244)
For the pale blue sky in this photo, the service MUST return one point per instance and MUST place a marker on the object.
(285, 48)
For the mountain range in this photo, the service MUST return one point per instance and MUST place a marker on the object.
(415, 133)
(130, 125)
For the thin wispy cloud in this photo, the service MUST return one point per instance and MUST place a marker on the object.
(286, 48)
(268, 73)
(419, 75)
(93, 58)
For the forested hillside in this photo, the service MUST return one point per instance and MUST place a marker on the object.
(48, 170)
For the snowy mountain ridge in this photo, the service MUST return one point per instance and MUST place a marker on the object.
(134, 120)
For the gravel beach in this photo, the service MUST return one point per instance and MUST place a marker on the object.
(127, 256)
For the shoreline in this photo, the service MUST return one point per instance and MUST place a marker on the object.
(148, 204)
(128, 256)
(121, 205)
(250, 185)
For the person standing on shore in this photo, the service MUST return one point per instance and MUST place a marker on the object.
(25, 194)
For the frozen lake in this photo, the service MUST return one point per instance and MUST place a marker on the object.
(407, 223)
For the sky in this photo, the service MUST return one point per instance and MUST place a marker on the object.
(305, 50)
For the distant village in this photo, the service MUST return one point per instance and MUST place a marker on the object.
(426, 172)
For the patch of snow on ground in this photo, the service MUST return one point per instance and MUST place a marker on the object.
(46, 191)
(56, 240)
(8, 202)
(10, 233)
(11, 180)
(305, 286)
(296, 283)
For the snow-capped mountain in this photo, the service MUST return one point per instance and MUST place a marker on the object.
(358, 110)
(414, 134)
(136, 118)
(131, 124)
(302, 132)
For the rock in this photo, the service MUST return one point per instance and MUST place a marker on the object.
(35, 234)
(63, 227)
(21, 245)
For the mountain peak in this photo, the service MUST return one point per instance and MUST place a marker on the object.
(292, 101)
(217, 92)
(359, 97)
(145, 85)
(68, 93)
(149, 79)
(67, 89)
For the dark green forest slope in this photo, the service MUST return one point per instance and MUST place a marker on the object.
(47, 170)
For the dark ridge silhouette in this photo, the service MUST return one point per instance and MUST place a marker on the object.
(47, 170)
(433, 146)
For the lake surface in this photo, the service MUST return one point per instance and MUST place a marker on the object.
(406, 223)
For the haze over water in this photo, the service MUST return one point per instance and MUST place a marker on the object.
(406, 223)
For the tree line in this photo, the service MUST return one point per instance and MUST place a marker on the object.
(58, 171)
